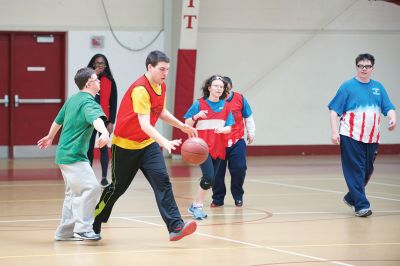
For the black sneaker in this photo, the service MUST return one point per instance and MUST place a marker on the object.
(239, 203)
(348, 204)
(104, 183)
(96, 227)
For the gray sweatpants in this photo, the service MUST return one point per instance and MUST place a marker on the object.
(82, 192)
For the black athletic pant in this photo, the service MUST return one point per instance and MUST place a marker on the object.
(124, 166)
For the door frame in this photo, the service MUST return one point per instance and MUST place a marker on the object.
(12, 89)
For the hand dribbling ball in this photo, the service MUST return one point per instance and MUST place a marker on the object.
(194, 151)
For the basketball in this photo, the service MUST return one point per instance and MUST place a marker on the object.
(194, 151)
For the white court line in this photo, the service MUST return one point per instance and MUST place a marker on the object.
(248, 244)
(384, 184)
(315, 189)
(189, 215)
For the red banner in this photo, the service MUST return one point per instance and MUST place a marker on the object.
(184, 89)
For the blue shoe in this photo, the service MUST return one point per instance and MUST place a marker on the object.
(197, 212)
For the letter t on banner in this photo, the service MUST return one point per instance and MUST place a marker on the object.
(186, 65)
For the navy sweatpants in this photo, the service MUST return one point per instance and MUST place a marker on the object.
(236, 161)
(358, 165)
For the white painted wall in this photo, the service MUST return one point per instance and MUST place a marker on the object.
(129, 15)
(125, 65)
(289, 58)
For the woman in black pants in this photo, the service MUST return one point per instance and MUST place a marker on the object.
(107, 98)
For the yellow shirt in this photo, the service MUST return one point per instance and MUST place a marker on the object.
(141, 102)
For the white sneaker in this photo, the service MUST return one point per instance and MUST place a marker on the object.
(88, 236)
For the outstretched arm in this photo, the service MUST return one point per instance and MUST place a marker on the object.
(144, 121)
(47, 140)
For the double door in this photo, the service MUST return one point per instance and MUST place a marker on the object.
(32, 90)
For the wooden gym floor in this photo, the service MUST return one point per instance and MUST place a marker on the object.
(292, 215)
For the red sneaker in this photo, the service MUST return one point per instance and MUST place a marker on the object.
(188, 229)
(214, 205)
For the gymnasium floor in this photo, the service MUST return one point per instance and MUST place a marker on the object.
(292, 215)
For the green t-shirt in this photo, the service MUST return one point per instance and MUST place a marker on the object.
(76, 117)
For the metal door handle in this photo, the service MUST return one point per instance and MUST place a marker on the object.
(6, 101)
(18, 101)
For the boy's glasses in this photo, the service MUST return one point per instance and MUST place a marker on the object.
(359, 66)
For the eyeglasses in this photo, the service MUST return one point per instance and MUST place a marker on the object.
(100, 63)
(94, 80)
(359, 66)
(217, 86)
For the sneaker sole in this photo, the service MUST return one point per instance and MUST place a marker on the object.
(68, 239)
(87, 238)
(368, 213)
(188, 230)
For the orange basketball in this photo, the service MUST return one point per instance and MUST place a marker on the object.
(194, 151)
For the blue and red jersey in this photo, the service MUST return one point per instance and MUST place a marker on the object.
(359, 106)
(218, 116)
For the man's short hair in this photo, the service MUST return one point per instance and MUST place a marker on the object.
(156, 57)
(82, 77)
(362, 57)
